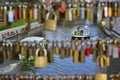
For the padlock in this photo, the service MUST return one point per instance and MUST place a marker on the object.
(1, 13)
(4, 51)
(76, 77)
(103, 23)
(6, 77)
(78, 10)
(24, 12)
(39, 14)
(101, 76)
(82, 11)
(58, 14)
(95, 54)
(118, 9)
(62, 50)
(50, 24)
(30, 52)
(82, 54)
(99, 13)
(105, 10)
(110, 10)
(88, 11)
(115, 9)
(23, 51)
(102, 62)
(9, 55)
(41, 61)
(103, 46)
(31, 12)
(63, 7)
(16, 77)
(70, 14)
(35, 12)
(51, 53)
(66, 14)
(91, 17)
(76, 52)
(43, 13)
(20, 11)
(53, 47)
(74, 14)
(18, 47)
(57, 48)
(67, 50)
(10, 15)
(107, 60)
(16, 13)
(5, 16)
(71, 48)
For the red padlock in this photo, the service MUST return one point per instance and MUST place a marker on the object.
(16, 14)
(87, 51)
(63, 7)
(119, 51)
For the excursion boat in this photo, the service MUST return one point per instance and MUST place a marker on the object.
(81, 32)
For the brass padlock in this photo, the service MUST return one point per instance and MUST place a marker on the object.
(76, 52)
(62, 50)
(71, 48)
(53, 47)
(5, 18)
(74, 14)
(100, 76)
(95, 52)
(51, 54)
(66, 14)
(76, 55)
(50, 24)
(82, 53)
(20, 11)
(57, 48)
(107, 60)
(88, 11)
(31, 13)
(103, 46)
(115, 9)
(24, 12)
(78, 10)
(67, 50)
(103, 23)
(91, 17)
(17, 47)
(43, 14)
(41, 61)
(30, 50)
(39, 14)
(110, 10)
(4, 51)
(119, 9)
(23, 50)
(9, 52)
(102, 62)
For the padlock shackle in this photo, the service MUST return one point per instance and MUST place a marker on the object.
(48, 14)
(45, 51)
(97, 64)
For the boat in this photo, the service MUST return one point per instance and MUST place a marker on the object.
(81, 32)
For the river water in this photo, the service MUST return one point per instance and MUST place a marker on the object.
(66, 65)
